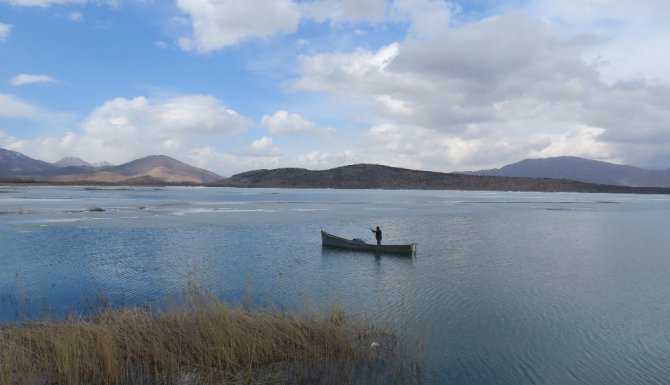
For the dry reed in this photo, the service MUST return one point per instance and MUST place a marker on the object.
(204, 341)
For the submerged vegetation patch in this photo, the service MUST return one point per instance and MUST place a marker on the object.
(203, 341)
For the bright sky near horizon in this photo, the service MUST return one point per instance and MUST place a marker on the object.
(235, 85)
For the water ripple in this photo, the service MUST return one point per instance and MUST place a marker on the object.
(506, 292)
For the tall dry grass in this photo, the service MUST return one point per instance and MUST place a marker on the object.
(203, 341)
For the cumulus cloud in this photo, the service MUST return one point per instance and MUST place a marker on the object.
(218, 24)
(416, 147)
(226, 163)
(553, 77)
(24, 79)
(632, 34)
(284, 123)
(329, 72)
(211, 159)
(187, 115)
(326, 159)
(123, 129)
(4, 30)
(580, 141)
(588, 11)
(13, 107)
(263, 147)
(6, 140)
(428, 18)
(459, 81)
(504, 85)
(344, 10)
(630, 113)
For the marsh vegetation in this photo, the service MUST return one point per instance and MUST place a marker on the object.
(203, 341)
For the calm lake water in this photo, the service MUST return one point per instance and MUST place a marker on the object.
(505, 288)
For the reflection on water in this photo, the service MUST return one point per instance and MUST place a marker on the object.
(505, 288)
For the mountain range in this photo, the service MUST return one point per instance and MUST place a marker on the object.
(583, 170)
(548, 174)
(155, 169)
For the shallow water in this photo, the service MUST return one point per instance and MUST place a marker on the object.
(505, 288)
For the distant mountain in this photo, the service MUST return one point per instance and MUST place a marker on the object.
(71, 161)
(370, 176)
(102, 164)
(161, 169)
(148, 170)
(14, 164)
(583, 170)
(156, 169)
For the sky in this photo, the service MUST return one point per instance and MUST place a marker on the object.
(236, 85)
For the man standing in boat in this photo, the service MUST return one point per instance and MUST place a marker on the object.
(378, 235)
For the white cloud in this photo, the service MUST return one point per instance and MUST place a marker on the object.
(588, 76)
(24, 79)
(325, 160)
(553, 77)
(331, 71)
(421, 148)
(344, 10)
(263, 147)
(76, 16)
(123, 129)
(428, 18)
(13, 107)
(284, 123)
(580, 141)
(588, 11)
(219, 24)
(210, 159)
(261, 144)
(198, 114)
(186, 115)
(4, 30)
(227, 164)
(633, 34)
(505, 85)
(6, 140)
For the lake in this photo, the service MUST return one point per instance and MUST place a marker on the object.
(505, 288)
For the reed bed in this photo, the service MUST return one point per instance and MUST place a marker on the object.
(204, 341)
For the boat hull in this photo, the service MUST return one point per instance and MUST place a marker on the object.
(330, 240)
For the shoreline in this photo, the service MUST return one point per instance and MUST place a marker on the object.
(583, 188)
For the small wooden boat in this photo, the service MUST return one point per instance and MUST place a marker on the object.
(330, 240)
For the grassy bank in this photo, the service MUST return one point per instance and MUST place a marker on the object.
(204, 341)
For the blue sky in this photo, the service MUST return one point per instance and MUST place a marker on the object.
(234, 85)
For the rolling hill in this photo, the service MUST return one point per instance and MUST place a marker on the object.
(583, 170)
(370, 176)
